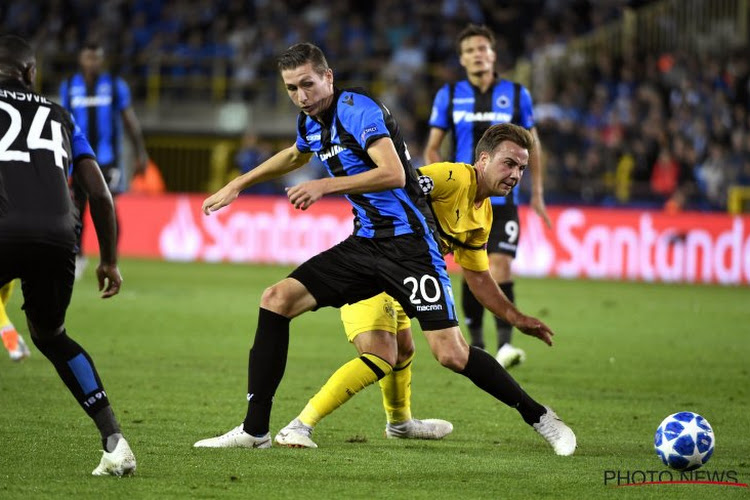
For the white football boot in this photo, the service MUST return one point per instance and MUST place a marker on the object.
(121, 462)
(430, 428)
(509, 356)
(236, 438)
(296, 435)
(557, 434)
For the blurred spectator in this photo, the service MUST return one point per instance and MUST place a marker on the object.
(665, 175)
(712, 176)
(624, 107)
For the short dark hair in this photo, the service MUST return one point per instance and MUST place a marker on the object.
(15, 52)
(501, 132)
(94, 45)
(300, 54)
(475, 30)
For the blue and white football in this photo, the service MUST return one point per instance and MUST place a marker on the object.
(684, 441)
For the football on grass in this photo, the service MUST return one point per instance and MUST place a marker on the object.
(684, 441)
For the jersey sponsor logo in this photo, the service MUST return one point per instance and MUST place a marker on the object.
(312, 137)
(426, 183)
(23, 96)
(430, 307)
(330, 152)
(81, 101)
(463, 100)
(482, 116)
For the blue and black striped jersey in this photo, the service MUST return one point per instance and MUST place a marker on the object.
(97, 110)
(467, 112)
(340, 138)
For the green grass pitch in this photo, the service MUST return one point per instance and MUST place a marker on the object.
(172, 351)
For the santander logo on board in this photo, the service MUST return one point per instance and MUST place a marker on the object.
(583, 242)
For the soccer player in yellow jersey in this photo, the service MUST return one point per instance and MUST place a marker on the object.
(12, 340)
(458, 194)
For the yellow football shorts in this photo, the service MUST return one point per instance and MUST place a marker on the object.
(380, 312)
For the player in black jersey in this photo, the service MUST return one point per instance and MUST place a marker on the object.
(391, 250)
(466, 109)
(40, 145)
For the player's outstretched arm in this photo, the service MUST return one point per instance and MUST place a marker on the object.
(490, 296)
(88, 174)
(279, 164)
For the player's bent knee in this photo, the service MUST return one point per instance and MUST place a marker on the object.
(42, 333)
(451, 359)
(288, 298)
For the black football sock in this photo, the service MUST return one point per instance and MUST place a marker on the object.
(77, 371)
(108, 427)
(473, 315)
(505, 329)
(488, 375)
(265, 369)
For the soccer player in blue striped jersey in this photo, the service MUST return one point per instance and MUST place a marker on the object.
(100, 103)
(391, 250)
(467, 109)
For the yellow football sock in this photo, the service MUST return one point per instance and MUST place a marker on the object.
(396, 389)
(345, 383)
(5, 292)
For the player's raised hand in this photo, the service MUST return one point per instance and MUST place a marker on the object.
(306, 193)
(109, 279)
(535, 328)
(220, 198)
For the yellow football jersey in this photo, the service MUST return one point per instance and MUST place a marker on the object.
(463, 227)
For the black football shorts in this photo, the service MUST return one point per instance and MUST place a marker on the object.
(505, 230)
(410, 268)
(47, 273)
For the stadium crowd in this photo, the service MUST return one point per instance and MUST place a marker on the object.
(647, 129)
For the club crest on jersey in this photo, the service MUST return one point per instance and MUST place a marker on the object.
(426, 183)
(503, 101)
(330, 152)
